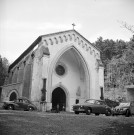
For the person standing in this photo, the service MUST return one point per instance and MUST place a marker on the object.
(57, 108)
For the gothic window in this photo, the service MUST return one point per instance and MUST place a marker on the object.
(60, 70)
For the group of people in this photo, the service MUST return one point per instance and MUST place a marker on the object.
(60, 108)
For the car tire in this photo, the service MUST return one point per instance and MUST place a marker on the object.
(30, 108)
(76, 112)
(88, 111)
(108, 113)
(10, 107)
(127, 113)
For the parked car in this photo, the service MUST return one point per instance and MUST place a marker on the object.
(124, 108)
(92, 106)
(21, 103)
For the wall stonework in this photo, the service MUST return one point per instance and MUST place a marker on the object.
(18, 79)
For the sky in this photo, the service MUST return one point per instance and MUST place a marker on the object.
(22, 21)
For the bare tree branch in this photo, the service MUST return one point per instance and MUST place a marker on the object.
(127, 26)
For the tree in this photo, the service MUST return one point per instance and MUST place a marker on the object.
(107, 48)
(4, 64)
(120, 70)
(127, 26)
(119, 48)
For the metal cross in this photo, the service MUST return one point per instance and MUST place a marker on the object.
(73, 26)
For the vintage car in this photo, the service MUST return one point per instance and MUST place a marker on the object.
(21, 103)
(92, 106)
(124, 108)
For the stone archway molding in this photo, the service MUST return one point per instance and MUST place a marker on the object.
(54, 62)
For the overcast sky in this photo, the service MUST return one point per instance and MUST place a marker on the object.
(22, 21)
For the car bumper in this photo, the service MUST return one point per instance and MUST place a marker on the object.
(79, 110)
(120, 112)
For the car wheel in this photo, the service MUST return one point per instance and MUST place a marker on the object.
(108, 113)
(88, 111)
(10, 107)
(127, 113)
(76, 112)
(30, 108)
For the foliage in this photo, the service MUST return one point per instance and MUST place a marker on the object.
(107, 48)
(120, 71)
(118, 60)
(111, 103)
(4, 64)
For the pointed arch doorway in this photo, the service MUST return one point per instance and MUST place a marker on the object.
(13, 96)
(59, 97)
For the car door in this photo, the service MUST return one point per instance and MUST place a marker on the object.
(101, 107)
(96, 107)
(19, 102)
(25, 104)
(132, 107)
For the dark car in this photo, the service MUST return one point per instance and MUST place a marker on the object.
(92, 106)
(21, 103)
(124, 108)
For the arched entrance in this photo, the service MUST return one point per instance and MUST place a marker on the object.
(70, 67)
(59, 97)
(13, 96)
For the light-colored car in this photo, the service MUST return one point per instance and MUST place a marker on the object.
(21, 103)
(92, 106)
(124, 108)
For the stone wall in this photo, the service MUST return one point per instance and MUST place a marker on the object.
(19, 79)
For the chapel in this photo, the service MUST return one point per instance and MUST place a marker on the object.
(59, 68)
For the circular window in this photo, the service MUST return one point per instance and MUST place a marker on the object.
(60, 70)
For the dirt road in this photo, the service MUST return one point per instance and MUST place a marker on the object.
(39, 123)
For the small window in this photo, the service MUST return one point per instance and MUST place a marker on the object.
(20, 100)
(97, 102)
(25, 101)
(77, 101)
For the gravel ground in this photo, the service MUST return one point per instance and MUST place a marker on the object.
(39, 123)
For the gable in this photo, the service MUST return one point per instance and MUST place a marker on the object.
(65, 36)
(70, 37)
(55, 38)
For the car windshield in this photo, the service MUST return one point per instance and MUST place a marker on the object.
(90, 101)
(124, 104)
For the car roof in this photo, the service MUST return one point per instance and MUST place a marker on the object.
(96, 99)
(23, 98)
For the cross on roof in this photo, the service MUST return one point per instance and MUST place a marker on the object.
(73, 25)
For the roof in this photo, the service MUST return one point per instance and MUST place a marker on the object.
(38, 40)
(25, 52)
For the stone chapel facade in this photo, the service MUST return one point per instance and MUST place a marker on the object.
(60, 68)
